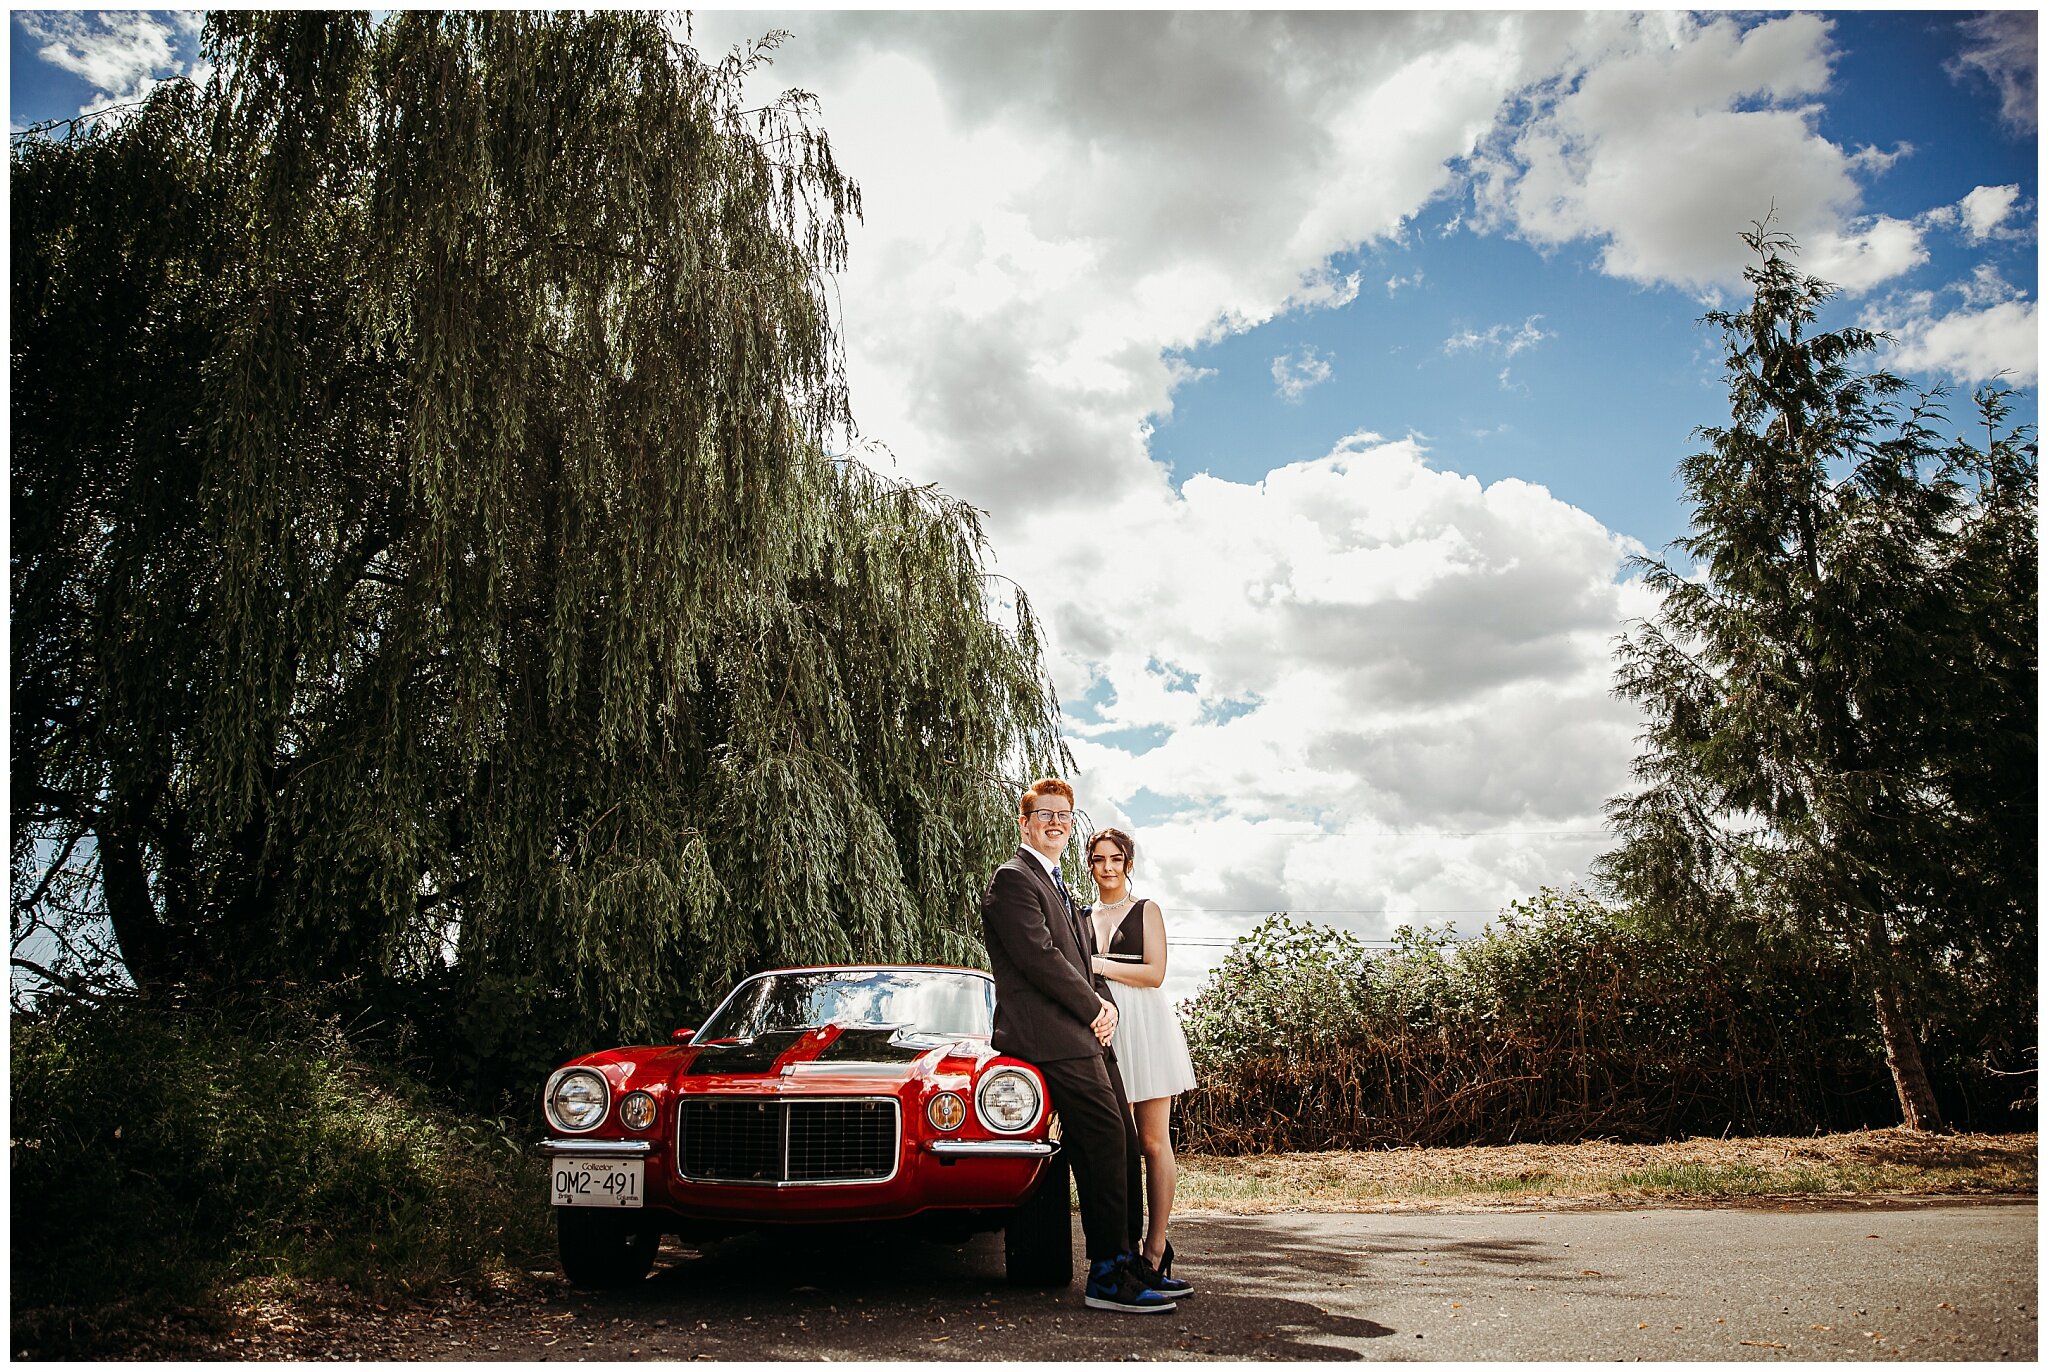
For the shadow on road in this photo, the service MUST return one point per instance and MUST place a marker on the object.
(1254, 1243)
(883, 1293)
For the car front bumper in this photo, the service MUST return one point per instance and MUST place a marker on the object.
(933, 1174)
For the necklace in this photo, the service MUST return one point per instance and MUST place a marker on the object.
(1103, 917)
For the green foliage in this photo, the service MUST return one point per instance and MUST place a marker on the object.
(1839, 706)
(427, 556)
(160, 1154)
(1561, 1021)
(1286, 985)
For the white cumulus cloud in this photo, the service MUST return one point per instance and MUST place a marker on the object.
(1054, 201)
(1970, 343)
(1669, 143)
(122, 55)
(1863, 254)
(1986, 208)
(1358, 646)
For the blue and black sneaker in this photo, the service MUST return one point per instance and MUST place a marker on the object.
(1115, 1284)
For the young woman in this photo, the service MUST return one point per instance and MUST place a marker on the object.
(1130, 935)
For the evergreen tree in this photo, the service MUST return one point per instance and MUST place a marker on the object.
(1840, 703)
(427, 564)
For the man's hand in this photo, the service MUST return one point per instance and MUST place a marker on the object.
(1105, 1023)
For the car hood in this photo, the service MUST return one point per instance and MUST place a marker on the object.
(889, 1053)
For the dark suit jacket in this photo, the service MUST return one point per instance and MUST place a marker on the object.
(1045, 996)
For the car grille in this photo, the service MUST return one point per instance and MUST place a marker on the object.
(772, 1142)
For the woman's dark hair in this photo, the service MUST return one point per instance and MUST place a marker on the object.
(1118, 839)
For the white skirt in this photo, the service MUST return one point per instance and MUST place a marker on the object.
(1150, 1047)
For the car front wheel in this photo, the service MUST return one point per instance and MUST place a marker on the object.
(604, 1248)
(1038, 1242)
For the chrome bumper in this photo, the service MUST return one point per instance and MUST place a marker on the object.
(992, 1148)
(596, 1148)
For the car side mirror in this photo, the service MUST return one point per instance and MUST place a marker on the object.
(683, 1035)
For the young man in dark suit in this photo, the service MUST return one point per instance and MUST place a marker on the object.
(1055, 1014)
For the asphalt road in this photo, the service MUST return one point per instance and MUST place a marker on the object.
(1940, 1280)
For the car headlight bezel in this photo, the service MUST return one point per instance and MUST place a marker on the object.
(566, 1079)
(638, 1111)
(994, 1117)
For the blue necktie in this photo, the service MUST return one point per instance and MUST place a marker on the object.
(1073, 910)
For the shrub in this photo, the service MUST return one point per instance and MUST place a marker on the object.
(160, 1153)
(1558, 1022)
(1288, 986)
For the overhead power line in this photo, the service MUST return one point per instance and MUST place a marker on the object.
(1402, 833)
(1295, 910)
(1205, 942)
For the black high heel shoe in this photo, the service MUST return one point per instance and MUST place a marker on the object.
(1179, 1286)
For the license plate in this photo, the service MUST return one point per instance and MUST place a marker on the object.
(611, 1182)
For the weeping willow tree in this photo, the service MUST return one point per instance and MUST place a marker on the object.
(1840, 742)
(426, 561)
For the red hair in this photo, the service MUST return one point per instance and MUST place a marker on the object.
(1041, 788)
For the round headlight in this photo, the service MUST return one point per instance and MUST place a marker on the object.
(637, 1110)
(577, 1098)
(1008, 1101)
(946, 1111)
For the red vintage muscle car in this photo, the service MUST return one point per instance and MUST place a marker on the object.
(811, 1095)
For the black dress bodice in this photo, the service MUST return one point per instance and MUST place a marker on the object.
(1128, 939)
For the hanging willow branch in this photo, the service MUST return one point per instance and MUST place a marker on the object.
(422, 512)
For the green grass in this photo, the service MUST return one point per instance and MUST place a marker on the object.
(1692, 1179)
(1826, 1179)
(1202, 1189)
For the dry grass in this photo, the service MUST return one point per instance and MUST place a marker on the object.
(1884, 1162)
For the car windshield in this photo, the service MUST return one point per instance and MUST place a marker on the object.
(931, 1001)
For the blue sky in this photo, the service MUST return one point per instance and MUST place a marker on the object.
(62, 62)
(1320, 372)
(1600, 406)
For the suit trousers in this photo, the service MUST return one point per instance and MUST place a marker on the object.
(1101, 1143)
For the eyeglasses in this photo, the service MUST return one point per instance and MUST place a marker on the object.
(1049, 816)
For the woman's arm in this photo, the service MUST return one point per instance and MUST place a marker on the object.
(1150, 972)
